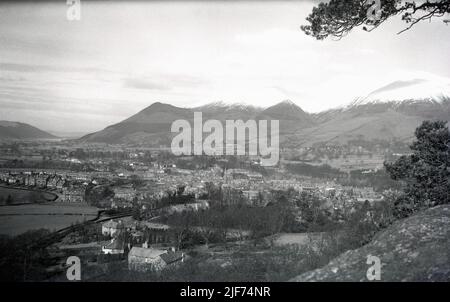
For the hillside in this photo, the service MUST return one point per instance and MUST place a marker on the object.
(222, 111)
(413, 249)
(291, 117)
(20, 131)
(391, 112)
(388, 113)
(152, 125)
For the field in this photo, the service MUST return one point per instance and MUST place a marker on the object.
(353, 162)
(24, 196)
(297, 239)
(15, 220)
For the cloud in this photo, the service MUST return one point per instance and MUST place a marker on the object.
(163, 82)
(144, 84)
(19, 67)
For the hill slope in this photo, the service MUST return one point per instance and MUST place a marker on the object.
(152, 125)
(291, 117)
(391, 112)
(17, 131)
(413, 249)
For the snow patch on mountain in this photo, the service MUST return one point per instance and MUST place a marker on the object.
(434, 90)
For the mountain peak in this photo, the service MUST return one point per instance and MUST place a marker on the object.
(287, 106)
(288, 102)
(286, 110)
(158, 106)
(417, 90)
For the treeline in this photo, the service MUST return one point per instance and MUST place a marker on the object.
(378, 180)
(21, 263)
(98, 196)
(263, 261)
(46, 164)
(261, 221)
(322, 171)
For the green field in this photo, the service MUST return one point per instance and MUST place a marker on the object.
(24, 196)
(15, 220)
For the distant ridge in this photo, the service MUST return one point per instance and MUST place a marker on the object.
(152, 125)
(291, 116)
(390, 112)
(20, 131)
(416, 90)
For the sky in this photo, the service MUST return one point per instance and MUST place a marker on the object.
(81, 76)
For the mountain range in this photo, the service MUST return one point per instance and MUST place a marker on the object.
(391, 112)
(154, 122)
(21, 131)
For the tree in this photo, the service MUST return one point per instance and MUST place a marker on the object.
(426, 172)
(136, 181)
(338, 17)
(9, 200)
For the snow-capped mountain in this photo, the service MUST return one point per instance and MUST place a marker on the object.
(391, 112)
(432, 90)
(223, 111)
(152, 125)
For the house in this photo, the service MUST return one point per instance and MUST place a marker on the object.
(158, 233)
(251, 196)
(21, 179)
(115, 247)
(255, 176)
(41, 180)
(31, 180)
(11, 180)
(149, 259)
(73, 193)
(137, 236)
(112, 228)
(4, 176)
(60, 184)
(53, 181)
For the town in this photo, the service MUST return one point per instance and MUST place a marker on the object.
(152, 210)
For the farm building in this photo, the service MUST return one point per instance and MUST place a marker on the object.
(150, 259)
(114, 247)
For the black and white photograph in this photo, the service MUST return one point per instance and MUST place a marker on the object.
(284, 141)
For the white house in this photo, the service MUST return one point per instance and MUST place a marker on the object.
(114, 247)
(112, 228)
(150, 259)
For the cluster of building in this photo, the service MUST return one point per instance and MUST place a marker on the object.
(148, 247)
(39, 180)
(69, 189)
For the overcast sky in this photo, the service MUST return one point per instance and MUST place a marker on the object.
(83, 75)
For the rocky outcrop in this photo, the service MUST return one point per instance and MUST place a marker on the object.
(413, 249)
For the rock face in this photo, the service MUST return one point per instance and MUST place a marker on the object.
(413, 249)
